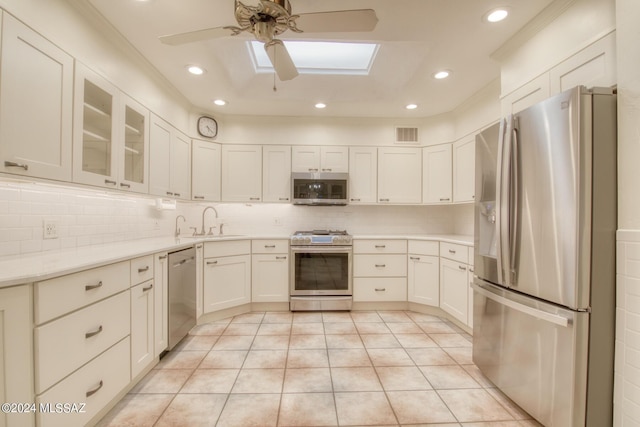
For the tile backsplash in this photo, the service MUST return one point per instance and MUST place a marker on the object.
(87, 216)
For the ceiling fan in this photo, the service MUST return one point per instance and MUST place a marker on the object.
(267, 19)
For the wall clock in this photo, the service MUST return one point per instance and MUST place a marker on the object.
(207, 127)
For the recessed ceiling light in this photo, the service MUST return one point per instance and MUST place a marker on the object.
(496, 15)
(443, 74)
(220, 102)
(321, 105)
(411, 106)
(194, 69)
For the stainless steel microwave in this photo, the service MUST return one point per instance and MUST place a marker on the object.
(319, 188)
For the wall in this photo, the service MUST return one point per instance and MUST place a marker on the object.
(627, 386)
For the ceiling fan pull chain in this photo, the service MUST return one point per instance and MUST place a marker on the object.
(275, 89)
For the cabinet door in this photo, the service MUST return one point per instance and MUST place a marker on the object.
(159, 157)
(133, 160)
(527, 95)
(160, 303)
(436, 175)
(142, 325)
(454, 289)
(180, 165)
(276, 173)
(423, 277)
(227, 282)
(270, 278)
(16, 353)
(399, 175)
(363, 174)
(205, 171)
(464, 166)
(305, 159)
(241, 173)
(36, 82)
(334, 159)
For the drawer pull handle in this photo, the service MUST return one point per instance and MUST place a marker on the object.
(381, 246)
(471, 270)
(451, 251)
(384, 200)
(16, 165)
(326, 169)
(414, 258)
(110, 182)
(198, 246)
(381, 265)
(444, 199)
(95, 390)
(462, 268)
(381, 289)
(176, 194)
(143, 269)
(281, 257)
(148, 288)
(163, 257)
(269, 246)
(254, 198)
(169, 193)
(212, 262)
(96, 286)
(93, 333)
(284, 199)
(198, 197)
(355, 200)
(122, 184)
(313, 169)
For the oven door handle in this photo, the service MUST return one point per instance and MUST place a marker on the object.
(320, 249)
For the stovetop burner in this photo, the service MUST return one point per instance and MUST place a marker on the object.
(322, 233)
(321, 237)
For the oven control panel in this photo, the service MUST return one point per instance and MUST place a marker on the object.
(304, 240)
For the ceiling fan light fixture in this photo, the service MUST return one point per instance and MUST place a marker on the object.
(496, 15)
(220, 102)
(195, 70)
(442, 74)
(321, 105)
(411, 106)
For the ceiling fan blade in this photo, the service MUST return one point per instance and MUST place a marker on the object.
(281, 60)
(342, 21)
(251, 3)
(194, 36)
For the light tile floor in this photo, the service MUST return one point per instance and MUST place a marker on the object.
(384, 368)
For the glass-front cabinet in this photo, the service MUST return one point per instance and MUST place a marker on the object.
(110, 145)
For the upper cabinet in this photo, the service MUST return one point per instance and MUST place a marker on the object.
(205, 173)
(276, 173)
(320, 159)
(241, 173)
(363, 174)
(436, 174)
(111, 135)
(170, 160)
(399, 175)
(464, 166)
(36, 83)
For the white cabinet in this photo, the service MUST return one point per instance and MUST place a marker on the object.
(241, 173)
(379, 270)
(436, 174)
(160, 303)
(363, 175)
(16, 353)
(110, 137)
(36, 82)
(464, 166)
(169, 160)
(142, 327)
(454, 280)
(276, 173)
(423, 273)
(227, 275)
(270, 271)
(205, 171)
(320, 159)
(399, 175)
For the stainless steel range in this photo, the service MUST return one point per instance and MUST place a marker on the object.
(320, 270)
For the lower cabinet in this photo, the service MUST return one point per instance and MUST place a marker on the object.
(423, 273)
(227, 275)
(16, 353)
(454, 288)
(270, 271)
(142, 327)
(161, 303)
(380, 270)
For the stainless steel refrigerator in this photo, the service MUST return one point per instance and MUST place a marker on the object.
(544, 291)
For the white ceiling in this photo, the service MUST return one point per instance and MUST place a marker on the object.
(416, 37)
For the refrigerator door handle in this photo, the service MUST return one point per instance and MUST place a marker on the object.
(514, 202)
(538, 314)
(502, 194)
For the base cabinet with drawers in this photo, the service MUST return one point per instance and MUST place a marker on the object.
(227, 275)
(379, 270)
(270, 270)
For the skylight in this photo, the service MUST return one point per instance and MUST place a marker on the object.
(320, 57)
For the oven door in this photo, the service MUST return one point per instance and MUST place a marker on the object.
(321, 270)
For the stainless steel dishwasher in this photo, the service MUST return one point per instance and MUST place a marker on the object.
(182, 294)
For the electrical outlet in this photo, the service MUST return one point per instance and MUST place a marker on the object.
(277, 221)
(50, 229)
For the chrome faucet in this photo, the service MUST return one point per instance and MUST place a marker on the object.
(202, 232)
(177, 233)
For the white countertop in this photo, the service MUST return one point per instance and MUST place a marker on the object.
(16, 270)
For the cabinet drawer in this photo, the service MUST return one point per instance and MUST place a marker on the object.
(380, 289)
(229, 248)
(380, 265)
(65, 344)
(95, 384)
(380, 246)
(141, 269)
(59, 296)
(454, 252)
(270, 246)
(422, 247)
